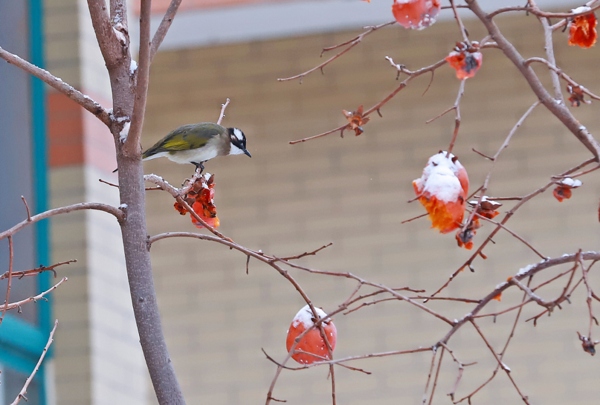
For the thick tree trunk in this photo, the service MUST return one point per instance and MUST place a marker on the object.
(141, 284)
(129, 88)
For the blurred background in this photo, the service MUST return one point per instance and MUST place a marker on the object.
(289, 199)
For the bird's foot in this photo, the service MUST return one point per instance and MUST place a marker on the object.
(199, 167)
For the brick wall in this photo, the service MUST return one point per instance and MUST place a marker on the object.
(353, 192)
(98, 359)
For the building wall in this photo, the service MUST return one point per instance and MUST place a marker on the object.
(98, 359)
(353, 192)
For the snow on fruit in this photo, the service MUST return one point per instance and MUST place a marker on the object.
(312, 346)
(416, 14)
(582, 31)
(442, 190)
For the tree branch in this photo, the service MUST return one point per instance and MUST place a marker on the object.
(11, 256)
(37, 366)
(559, 110)
(35, 298)
(86, 102)
(132, 142)
(116, 212)
(105, 35)
(163, 28)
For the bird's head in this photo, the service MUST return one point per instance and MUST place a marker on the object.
(238, 142)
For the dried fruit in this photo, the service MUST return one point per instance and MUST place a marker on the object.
(200, 198)
(465, 59)
(564, 187)
(356, 120)
(487, 208)
(582, 31)
(576, 94)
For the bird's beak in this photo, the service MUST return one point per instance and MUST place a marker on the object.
(247, 153)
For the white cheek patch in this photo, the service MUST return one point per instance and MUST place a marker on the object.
(238, 134)
(235, 150)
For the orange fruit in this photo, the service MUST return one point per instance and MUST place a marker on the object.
(312, 346)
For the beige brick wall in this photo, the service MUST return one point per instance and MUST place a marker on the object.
(72, 51)
(353, 192)
(98, 356)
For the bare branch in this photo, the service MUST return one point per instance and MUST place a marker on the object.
(562, 74)
(37, 366)
(35, 298)
(351, 44)
(116, 212)
(550, 56)
(163, 28)
(26, 208)
(500, 363)
(536, 11)
(36, 271)
(105, 35)
(86, 102)
(11, 256)
(131, 146)
(560, 111)
(311, 253)
(514, 234)
(461, 26)
(222, 114)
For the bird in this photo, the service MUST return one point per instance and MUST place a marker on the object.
(198, 143)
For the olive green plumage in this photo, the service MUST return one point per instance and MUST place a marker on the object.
(185, 137)
(197, 143)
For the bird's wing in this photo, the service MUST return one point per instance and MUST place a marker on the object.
(183, 138)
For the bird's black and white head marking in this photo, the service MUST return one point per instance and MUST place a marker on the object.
(238, 142)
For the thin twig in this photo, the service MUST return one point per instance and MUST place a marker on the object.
(37, 366)
(500, 363)
(377, 107)
(36, 271)
(588, 299)
(514, 234)
(437, 375)
(536, 11)
(35, 298)
(563, 75)
(222, 114)
(461, 91)
(26, 208)
(431, 365)
(351, 44)
(549, 47)
(461, 26)
(11, 256)
(311, 253)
